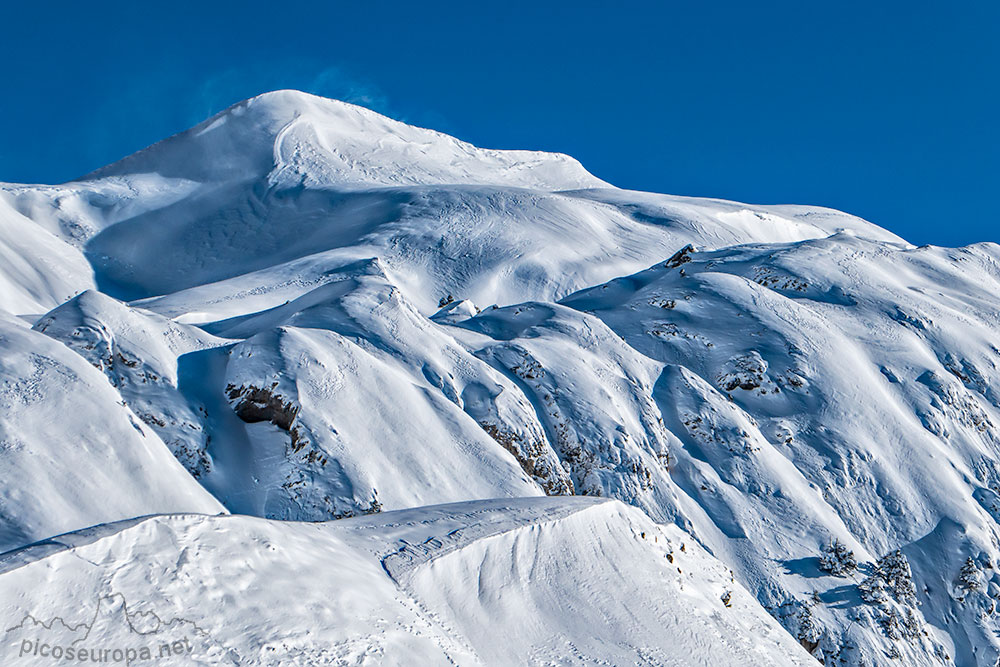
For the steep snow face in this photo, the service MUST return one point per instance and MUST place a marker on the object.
(38, 270)
(875, 355)
(451, 584)
(593, 393)
(353, 432)
(353, 363)
(71, 453)
(140, 353)
(863, 371)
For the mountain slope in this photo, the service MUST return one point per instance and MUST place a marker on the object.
(437, 585)
(229, 201)
(297, 139)
(71, 452)
(38, 270)
(301, 293)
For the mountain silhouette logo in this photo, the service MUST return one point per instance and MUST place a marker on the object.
(115, 633)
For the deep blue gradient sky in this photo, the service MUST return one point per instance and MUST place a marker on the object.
(888, 110)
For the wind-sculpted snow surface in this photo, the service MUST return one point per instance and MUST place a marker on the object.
(860, 370)
(452, 584)
(71, 453)
(325, 314)
(138, 351)
(593, 393)
(38, 270)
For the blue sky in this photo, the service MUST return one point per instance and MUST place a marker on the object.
(884, 109)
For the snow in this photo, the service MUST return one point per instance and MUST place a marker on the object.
(139, 352)
(324, 314)
(38, 271)
(297, 139)
(71, 453)
(438, 585)
(351, 399)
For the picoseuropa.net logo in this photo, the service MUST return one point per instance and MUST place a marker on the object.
(42, 649)
(114, 634)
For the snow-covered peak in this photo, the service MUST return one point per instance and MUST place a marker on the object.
(293, 138)
(785, 383)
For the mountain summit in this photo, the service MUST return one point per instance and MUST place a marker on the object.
(297, 139)
(784, 417)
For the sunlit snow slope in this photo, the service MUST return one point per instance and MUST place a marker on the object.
(322, 313)
(436, 585)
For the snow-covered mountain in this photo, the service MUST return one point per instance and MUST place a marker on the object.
(503, 582)
(300, 310)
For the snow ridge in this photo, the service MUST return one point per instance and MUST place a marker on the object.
(300, 310)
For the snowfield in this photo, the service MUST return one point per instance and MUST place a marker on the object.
(522, 581)
(783, 418)
(72, 452)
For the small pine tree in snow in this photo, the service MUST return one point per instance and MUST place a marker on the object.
(890, 623)
(797, 617)
(872, 589)
(838, 560)
(912, 627)
(891, 576)
(969, 577)
(901, 625)
(375, 506)
(898, 577)
(809, 633)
